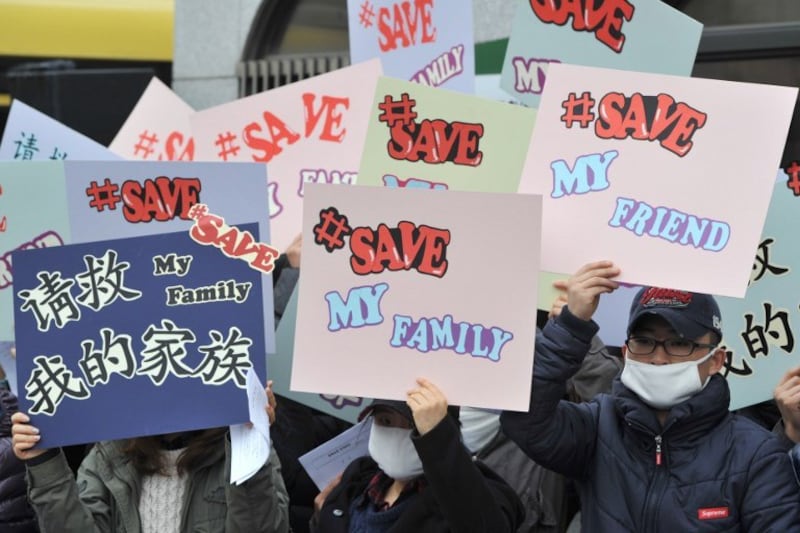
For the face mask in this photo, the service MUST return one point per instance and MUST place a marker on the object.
(394, 452)
(662, 386)
(478, 427)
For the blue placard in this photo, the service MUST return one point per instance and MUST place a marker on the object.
(137, 336)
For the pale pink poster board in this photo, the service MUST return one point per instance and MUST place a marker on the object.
(670, 177)
(158, 128)
(369, 327)
(309, 131)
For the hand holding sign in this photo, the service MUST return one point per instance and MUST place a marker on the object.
(787, 396)
(24, 437)
(428, 405)
(586, 286)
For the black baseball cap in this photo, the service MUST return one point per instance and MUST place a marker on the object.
(401, 407)
(690, 314)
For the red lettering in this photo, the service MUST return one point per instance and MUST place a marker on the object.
(227, 241)
(270, 147)
(433, 260)
(206, 229)
(333, 116)
(672, 124)
(659, 296)
(361, 248)
(385, 35)
(161, 199)
(712, 513)
(603, 18)
(428, 31)
(406, 247)
(403, 22)
(174, 143)
(265, 258)
(684, 121)
(436, 141)
(211, 230)
(246, 246)
(132, 204)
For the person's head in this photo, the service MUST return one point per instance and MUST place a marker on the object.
(671, 350)
(146, 457)
(390, 439)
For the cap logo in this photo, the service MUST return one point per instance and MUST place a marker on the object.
(717, 322)
(655, 297)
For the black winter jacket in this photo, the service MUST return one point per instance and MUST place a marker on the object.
(717, 471)
(16, 515)
(460, 496)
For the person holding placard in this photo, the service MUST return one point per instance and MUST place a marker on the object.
(419, 476)
(787, 397)
(174, 482)
(549, 498)
(662, 452)
(16, 515)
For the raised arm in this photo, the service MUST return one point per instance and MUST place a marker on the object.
(470, 498)
(558, 434)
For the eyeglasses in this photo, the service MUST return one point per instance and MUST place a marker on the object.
(674, 347)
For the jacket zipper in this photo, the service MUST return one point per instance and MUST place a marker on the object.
(656, 489)
(658, 450)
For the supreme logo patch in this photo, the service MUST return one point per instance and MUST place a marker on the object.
(712, 513)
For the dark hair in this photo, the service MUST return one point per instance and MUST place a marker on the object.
(146, 458)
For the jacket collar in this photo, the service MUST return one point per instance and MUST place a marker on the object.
(688, 420)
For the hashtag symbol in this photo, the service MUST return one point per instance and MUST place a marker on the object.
(397, 110)
(793, 181)
(145, 144)
(226, 145)
(197, 211)
(103, 196)
(578, 110)
(331, 228)
(366, 15)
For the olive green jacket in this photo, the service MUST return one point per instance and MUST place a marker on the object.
(106, 495)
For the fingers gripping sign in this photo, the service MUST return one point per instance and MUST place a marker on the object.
(428, 405)
(787, 396)
(561, 299)
(24, 437)
(586, 286)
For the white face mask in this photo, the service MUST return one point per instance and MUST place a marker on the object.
(394, 452)
(663, 386)
(478, 427)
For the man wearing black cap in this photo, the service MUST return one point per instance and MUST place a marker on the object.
(662, 452)
(418, 477)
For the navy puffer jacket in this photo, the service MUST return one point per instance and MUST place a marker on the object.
(716, 471)
(16, 516)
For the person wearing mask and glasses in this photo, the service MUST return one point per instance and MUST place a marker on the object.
(662, 452)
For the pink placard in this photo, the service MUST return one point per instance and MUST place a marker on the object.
(309, 131)
(670, 177)
(158, 128)
(405, 283)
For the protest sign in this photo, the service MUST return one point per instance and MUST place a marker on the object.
(86, 201)
(638, 35)
(427, 138)
(427, 42)
(640, 168)
(392, 290)
(144, 335)
(309, 131)
(759, 329)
